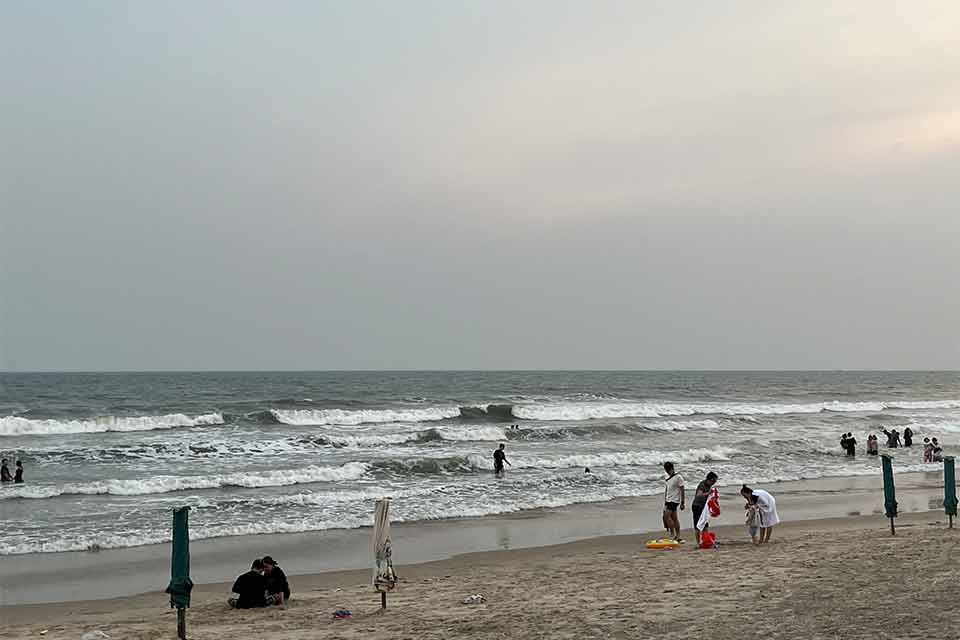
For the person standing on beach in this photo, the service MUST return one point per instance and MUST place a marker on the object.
(769, 518)
(499, 457)
(673, 497)
(700, 497)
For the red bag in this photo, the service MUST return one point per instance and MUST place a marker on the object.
(708, 540)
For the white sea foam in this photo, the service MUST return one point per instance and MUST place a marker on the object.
(17, 426)
(612, 459)
(575, 411)
(308, 417)
(167, 484)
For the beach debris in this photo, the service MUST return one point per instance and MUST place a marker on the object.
(342, 614)
(474, 599)
(94, 635)
(44, 632)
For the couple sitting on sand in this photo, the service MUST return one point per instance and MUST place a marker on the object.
(264, 585)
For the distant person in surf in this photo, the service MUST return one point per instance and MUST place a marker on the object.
(499, 457)
(872, 445)
(5, 472)
(927, 450)
(851, 445)
(908, 437)
(893, 438)
(673, 497)
(937, 450)
(18, 474)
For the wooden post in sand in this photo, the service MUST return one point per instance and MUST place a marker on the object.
(889, 492)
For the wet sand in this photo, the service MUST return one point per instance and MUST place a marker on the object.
(841, 577)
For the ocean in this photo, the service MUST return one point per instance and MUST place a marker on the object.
(107, 455)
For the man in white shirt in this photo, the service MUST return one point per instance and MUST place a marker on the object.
(673, 497)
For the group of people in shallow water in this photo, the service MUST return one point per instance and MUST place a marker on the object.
(16, 478)
(932, 451)
(760, 509)
(264, 585)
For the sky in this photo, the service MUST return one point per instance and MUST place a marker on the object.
(479, 185)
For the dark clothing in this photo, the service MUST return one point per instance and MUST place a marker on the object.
(893, 438)
(851, 447)
(907, 438)
(277, 582)
(697, 511)
(5, 474)
(251, 587)
(671, 506)
(701, 495)
(18, 476)
(498, 457)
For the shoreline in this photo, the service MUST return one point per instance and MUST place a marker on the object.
(130, 572)
(452, 577)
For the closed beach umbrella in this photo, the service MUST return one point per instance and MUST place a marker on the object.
(889, 492)
(949, 488)
(180, 582)
(384, 577)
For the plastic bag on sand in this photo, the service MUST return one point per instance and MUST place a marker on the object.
(94, 635)
(474, 599)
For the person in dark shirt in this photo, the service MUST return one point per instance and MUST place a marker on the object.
(893, 438)
(700, 501)
(251, 588)
(277, 585)
(499, 457)
(5, 472)
(18, 474)
(908, 437)
(851, 445)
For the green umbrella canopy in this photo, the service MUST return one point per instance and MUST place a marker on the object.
(180, 582)
(949, 487)
(889, 492)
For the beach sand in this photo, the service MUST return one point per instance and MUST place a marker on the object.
(836, 578)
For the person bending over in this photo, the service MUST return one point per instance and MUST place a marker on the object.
(700, 497)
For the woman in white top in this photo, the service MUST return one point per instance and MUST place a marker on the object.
(769, 517)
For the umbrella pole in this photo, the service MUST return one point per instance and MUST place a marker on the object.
(181, 623)
(893, 529)
(383, 599)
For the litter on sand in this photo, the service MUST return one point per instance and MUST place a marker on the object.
(474, 599)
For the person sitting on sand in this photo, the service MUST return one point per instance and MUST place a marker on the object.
(700, 497)
(872, 445)
(908, 437)
(673, 497)
(5, 472)
(499, 457)
(752, 518)
(277, 585)
(769, 518)
(251, 589)
(18, 474)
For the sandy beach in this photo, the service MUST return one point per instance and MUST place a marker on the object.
(829, 578)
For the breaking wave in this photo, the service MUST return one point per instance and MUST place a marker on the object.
(344, 417)
(17, 426)
(168, 484)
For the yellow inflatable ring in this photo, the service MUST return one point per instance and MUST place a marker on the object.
(664, 543)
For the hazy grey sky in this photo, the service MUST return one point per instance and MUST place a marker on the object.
(233, 185)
